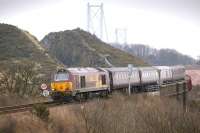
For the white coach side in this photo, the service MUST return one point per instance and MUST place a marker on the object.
(120, 77)
(165, 73)
(149, 75)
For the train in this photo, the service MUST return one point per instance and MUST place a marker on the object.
(83, 82)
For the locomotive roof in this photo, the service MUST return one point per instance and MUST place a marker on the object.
(162, 67)
(83, 70)
(120, 68)
(147, 68)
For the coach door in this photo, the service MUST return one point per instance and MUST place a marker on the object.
(103, 79)
(82, 80)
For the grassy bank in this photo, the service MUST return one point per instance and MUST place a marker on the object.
(120, 114)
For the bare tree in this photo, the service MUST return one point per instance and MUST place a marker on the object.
(21, 79)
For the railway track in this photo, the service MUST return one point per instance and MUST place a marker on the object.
(29, 107)
(25, 107)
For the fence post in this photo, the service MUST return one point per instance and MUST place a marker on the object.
(177, 91)
(184, 97)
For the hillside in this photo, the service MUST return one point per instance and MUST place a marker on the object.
(80, 48)
(19, 47)
(157, 57)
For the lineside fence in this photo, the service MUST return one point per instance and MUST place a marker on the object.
(178, 90)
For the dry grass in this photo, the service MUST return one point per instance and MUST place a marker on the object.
(140, 115)
(64, 119)
(21, 123)
(195, 93)
(120, 114)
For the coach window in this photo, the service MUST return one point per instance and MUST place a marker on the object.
(117, 76)
(82, 81)
(103, 79)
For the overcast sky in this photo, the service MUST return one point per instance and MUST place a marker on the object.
(158, 23)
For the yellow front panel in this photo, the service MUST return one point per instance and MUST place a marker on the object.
(61, 86)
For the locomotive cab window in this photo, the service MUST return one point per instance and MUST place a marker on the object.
(61, 76)
(103, 79)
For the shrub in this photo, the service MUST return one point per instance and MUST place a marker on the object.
(41, 111)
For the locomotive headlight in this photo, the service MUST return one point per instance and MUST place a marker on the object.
(52, 86)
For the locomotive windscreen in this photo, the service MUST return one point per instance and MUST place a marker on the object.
(61, 76)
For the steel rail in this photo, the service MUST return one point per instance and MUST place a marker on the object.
(24, 107)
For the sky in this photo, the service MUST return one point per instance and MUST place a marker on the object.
(157, 23)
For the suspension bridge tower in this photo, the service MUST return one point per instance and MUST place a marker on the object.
(96, 20)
